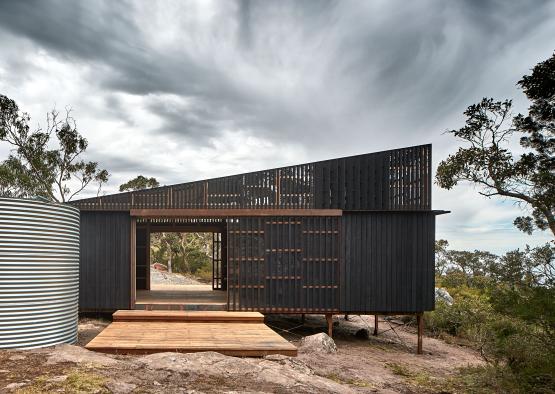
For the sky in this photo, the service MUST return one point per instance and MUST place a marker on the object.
(188, 90)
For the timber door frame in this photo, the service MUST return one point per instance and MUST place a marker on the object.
(176, 228)
(133, 262)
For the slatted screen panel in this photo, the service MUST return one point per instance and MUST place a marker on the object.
(284, 264)
(392, 180)
(246, 263)
(320, 263)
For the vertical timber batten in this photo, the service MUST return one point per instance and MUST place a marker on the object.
(398, 179)
(133, 262)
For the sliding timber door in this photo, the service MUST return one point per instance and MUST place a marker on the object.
(284, 264)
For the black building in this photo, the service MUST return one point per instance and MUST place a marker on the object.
(341, 236)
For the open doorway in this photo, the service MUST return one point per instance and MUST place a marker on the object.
(183, 269)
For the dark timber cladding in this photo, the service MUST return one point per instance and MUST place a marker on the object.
(104, 269)
(388, 263)
(348, 235)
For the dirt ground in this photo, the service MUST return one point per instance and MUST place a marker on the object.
(386, 364)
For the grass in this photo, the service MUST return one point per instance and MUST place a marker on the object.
(416, 378)
(353, 382)
(484, 380)
(77, 381)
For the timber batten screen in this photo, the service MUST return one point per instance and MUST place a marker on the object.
(397, 179)
(283, 264)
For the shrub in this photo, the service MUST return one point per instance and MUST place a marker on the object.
(198, 261)
(519, 353)
(469, 309)
(204, 274)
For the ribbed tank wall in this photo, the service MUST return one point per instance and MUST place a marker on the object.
(39, 273)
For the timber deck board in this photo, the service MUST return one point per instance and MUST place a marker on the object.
(193, 333)
(188, 316)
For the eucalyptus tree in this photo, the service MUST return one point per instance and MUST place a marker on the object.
(44, 162)
(526, 175)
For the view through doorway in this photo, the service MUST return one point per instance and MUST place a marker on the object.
(185, 270)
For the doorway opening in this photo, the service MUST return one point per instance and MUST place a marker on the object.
(181, 268)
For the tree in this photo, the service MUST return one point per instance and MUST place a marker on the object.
(182, 252)
(442, 256)
(46, 162)
(139, 183)
(172, 241)
(527, 178)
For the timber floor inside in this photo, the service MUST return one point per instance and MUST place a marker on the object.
(237, 334)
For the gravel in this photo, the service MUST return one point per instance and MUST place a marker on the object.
(165, 278)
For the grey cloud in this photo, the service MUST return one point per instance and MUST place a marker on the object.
(372, 61)
(122, 163)
(85, 30)
(317, 78)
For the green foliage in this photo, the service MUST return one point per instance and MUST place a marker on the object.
(45, 162)
(469, 309)
(186, 253)
(204, 273)
(16, 181)
(441, 256)
(488, 379)
(505, 307)
(198, 259)
(139, 183)
(486, 161)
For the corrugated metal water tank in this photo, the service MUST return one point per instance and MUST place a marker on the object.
(39, 273)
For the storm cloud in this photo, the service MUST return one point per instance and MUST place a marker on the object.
(192, 89)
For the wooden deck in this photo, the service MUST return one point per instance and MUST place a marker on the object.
(231, 333)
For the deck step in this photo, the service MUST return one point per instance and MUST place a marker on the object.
(181, 307)
(187, 316)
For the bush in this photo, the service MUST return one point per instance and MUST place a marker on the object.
(199, 261)
(204, 274)
(520, 348)
(469, 309)
(519, 353)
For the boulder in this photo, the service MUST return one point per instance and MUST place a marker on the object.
(321, 343)
(443, 295)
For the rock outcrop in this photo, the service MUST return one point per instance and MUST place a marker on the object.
(288, 373)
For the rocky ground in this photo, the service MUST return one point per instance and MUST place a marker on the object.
(386, 363)
(166, 278)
